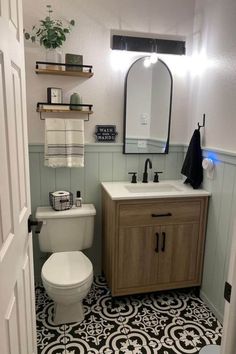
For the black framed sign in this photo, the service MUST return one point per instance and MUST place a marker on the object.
(105, 133)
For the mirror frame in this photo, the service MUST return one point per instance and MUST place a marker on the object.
(170, 110)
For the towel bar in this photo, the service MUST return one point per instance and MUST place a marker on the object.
(44, 107)
(85, 119)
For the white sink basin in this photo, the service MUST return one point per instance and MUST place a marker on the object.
(150, 188)
(163, 189)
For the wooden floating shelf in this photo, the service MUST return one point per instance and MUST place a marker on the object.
(63, 69)
(64, 107)
(63, 72)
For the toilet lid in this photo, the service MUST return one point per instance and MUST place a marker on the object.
(67, 269)
(210, 349)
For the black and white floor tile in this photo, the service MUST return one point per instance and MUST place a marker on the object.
(174, 322)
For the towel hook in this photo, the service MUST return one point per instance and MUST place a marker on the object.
(203, 123)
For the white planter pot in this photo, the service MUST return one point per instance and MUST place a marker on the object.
(54, 56)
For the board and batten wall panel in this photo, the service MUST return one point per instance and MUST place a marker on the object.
(221, 219)
(103, 162)
(107, 163)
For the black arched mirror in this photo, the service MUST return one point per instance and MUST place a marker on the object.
(147, 111)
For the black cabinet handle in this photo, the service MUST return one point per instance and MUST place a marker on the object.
(163, 241)
(157, 244)
(161, 215)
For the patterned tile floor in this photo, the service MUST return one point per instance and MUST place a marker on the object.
(161, 323)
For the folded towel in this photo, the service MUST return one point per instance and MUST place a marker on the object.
(64, 142)
(192, 166)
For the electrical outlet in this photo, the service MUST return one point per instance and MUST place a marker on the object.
(144, 119)
(142, 144)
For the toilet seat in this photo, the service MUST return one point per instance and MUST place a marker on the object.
(67, 270)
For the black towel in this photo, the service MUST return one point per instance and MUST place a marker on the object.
(192, 166)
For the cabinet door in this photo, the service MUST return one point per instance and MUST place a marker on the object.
(178, 256)
(137, 257)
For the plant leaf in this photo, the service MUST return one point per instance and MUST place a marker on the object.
(50, 33)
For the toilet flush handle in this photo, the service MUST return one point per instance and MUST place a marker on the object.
(34, 222)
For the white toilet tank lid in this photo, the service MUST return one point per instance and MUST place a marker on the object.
(48, 213)
(67, 269)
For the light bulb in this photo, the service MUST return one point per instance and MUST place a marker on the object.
(147, 62)
(153, 58)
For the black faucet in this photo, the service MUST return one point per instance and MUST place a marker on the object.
(145, 174)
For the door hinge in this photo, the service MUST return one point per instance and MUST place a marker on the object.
(227, 292)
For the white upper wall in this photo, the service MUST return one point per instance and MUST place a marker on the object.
(91, 38)
(213, 84)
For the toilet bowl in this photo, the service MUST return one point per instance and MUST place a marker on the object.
(67, 274)
(67, 278)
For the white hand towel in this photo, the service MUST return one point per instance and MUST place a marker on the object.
(64, 142)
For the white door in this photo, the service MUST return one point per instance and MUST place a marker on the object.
(17, 312)
(229, 326)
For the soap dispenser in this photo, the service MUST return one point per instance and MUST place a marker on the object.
(78, 200)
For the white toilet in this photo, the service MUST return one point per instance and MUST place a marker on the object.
(67, 275)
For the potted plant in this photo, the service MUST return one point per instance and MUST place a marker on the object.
(51, 34)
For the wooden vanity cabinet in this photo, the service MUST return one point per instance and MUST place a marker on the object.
(153, 244)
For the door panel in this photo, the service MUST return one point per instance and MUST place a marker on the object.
(137, 260)
(6, 210)
(13, 324)
(19, 143)
(29, 305)
(178, 261)
(17, 309)
(14, 17)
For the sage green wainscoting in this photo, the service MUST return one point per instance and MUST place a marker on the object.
(103, 162)
(221, 219)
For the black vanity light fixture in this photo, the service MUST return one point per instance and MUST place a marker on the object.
(140, 44)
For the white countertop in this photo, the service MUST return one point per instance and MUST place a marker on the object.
(163, 189)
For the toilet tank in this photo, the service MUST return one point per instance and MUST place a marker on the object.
(67, 230)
